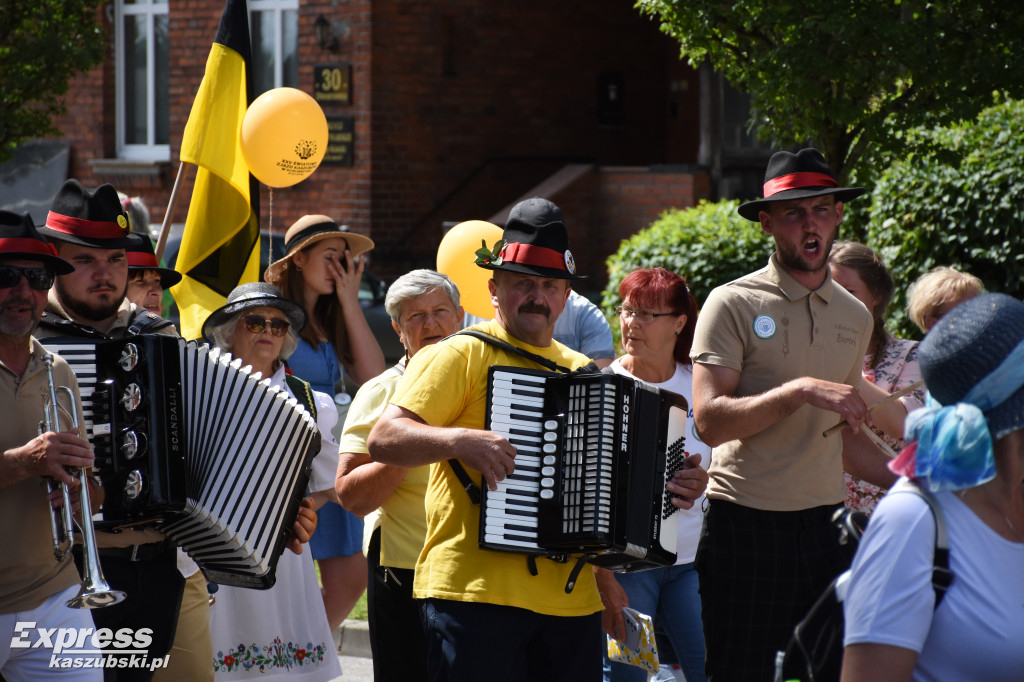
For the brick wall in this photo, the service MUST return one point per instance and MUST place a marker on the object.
(459, 107)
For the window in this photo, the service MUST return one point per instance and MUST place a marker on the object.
(143, 125)
(141, 37)
(274, 29)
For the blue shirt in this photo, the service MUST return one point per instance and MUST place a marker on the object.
(319, 366)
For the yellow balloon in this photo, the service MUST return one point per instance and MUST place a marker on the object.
(456, 256)
(283, 137)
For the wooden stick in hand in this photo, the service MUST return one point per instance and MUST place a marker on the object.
(898, 394)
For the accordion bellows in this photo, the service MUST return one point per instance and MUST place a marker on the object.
(189, 438)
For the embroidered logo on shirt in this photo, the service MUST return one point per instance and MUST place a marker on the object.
(764, 327)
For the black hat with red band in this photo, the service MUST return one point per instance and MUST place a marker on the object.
(19, 239)
(535, 242)
(797, 176)
(95, 219)
(142, 256)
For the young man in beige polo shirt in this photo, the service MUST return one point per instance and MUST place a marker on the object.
(777, 360)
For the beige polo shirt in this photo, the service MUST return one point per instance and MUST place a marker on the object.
(772, 329)
(29, 573)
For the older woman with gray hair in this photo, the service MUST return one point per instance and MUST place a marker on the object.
(424, 308)
(283, 630)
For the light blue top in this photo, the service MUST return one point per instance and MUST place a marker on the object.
(319, 366)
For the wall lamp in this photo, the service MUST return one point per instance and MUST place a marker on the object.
(325, 36)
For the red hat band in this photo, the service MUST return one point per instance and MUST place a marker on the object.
(26, 245)
(540, 256)
(138, 259)
(79, 227)
(798, 181)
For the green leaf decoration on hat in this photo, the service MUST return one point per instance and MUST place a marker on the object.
(485, 256)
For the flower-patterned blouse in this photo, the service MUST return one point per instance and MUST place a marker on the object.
(897, 368)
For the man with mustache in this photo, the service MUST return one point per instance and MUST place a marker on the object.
(90, 230)
(34, 585)
(777, 359)
(483, 609)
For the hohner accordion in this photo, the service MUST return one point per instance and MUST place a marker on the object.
(186, 437)
(593, 455)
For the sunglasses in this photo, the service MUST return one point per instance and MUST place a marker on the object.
(257, 324)
(39, 279)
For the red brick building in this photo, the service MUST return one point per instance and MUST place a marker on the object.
(457, 110)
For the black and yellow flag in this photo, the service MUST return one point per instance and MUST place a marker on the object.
(220, 246)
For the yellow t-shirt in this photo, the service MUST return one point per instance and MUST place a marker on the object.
(446, 385)
(772, 329)
(401, 518)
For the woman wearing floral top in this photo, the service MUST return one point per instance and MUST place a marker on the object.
(890, 363)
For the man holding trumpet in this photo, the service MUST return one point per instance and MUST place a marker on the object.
(34, 586)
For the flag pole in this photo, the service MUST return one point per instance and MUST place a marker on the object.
(165, 230)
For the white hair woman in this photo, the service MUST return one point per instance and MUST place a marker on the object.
(284, 629)
(424, 308)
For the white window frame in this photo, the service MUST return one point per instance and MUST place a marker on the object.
(276, 10)
(150, 150)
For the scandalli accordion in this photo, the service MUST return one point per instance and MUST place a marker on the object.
(593, 455)
(187, 437)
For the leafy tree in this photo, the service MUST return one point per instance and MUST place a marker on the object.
(43, 44)
(953, 197)
(843, 73)
(709, 244)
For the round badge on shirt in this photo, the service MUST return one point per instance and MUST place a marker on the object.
(764, 327)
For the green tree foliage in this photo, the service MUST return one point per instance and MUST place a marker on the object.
(43, 44)
(954, 197)
(709, 244)
(843, 73)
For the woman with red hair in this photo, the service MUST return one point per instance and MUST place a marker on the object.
(658, 315)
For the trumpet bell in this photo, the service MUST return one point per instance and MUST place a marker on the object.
(96, 598)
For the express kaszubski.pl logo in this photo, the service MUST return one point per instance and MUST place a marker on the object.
(89, 647)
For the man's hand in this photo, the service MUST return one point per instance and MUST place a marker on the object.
(688, 483)
(614, 598)
(487, 452)
(843, 399)
(305, 524)
(51, 454)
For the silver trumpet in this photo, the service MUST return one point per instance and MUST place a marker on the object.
(96, 592)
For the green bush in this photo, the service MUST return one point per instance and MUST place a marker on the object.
(955, 198)
(709, 245)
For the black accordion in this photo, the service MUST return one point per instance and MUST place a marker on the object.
(187, 438)
(593, 455)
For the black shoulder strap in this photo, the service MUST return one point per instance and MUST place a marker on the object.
(145, 322)
(549, 365)
(302, 391)
(68, 327)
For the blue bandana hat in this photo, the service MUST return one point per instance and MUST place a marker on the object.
(954, 443)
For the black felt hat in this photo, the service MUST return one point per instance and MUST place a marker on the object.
(536, 242)
(797, 176)
(19, 238)
(142, 256)
(95, 218)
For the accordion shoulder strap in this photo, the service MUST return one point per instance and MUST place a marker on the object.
(302, 391)
(521, 352)
(145, 322)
